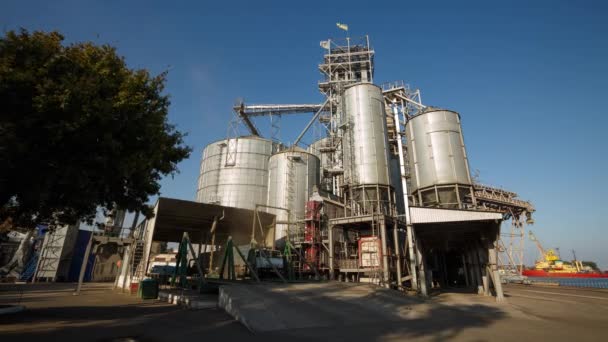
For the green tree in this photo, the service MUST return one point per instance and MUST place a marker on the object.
(79, 130)
(591, 264)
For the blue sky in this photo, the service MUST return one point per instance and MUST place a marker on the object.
(527, 77)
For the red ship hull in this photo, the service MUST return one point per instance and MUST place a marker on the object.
(541, 273)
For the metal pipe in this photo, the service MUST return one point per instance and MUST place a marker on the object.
(385, 270)
(331, 251)
(310, 122)
(422, 269)
(240, 112)
(413, 256)
(277, 109)
(212, 231)
(411, 101)
(408, 220)
(397, 252)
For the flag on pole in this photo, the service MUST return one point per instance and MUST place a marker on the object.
(324, 44)
(342, 26)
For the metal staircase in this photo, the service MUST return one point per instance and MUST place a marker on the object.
(137, 267)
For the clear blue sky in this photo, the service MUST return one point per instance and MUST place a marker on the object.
(528, 78)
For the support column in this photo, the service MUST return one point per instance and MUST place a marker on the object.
(385, 270)
(474, 266)
(444, 270)
(121, 268)
(83, 266)
(330, 236)
(397, 252)
(127, 264)
(212, 232)
(465, 270)
(493, 256)
(412, 253)
(484, 271)
(422, 270)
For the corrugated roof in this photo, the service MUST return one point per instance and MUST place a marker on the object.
(436, 215)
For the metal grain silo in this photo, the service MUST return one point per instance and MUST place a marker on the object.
(366, 151)
(292, 174)
(366, 140)
(437, 153)
(234, 172)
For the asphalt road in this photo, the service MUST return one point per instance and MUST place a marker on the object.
(99, 314)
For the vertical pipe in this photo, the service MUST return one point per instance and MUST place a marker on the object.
(331, 252)
(408, 220)
(385, 270)
(212, 231)
(444, 269)
(422, 270)
(412, 253)
(397, 252)
(127, 262)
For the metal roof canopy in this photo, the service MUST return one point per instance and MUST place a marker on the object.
(438, 215)
(174, 217)
(453, 228)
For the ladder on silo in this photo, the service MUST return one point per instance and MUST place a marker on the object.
(290, 190)
(351, 177)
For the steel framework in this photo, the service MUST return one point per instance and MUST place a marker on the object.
(510, 245)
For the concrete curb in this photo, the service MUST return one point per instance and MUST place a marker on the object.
(186, 301)
(12, 309)
(227, 303)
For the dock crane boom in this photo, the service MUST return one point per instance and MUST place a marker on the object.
(548, 255)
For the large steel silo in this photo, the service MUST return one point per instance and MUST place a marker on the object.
(366, 151)
(437, 153)
(292, 174)
(366, 140)
(234, 172)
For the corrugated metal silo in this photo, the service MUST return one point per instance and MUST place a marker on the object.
(440, 174)
(366, 142)
(234, 172)
(291, 177)
(366, 151)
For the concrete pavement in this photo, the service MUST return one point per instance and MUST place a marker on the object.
(330, 311)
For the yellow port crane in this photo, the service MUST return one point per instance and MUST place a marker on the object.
(547, 255)
(550, 261)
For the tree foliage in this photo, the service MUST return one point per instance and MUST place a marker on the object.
(591, 264)
(79, 130)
